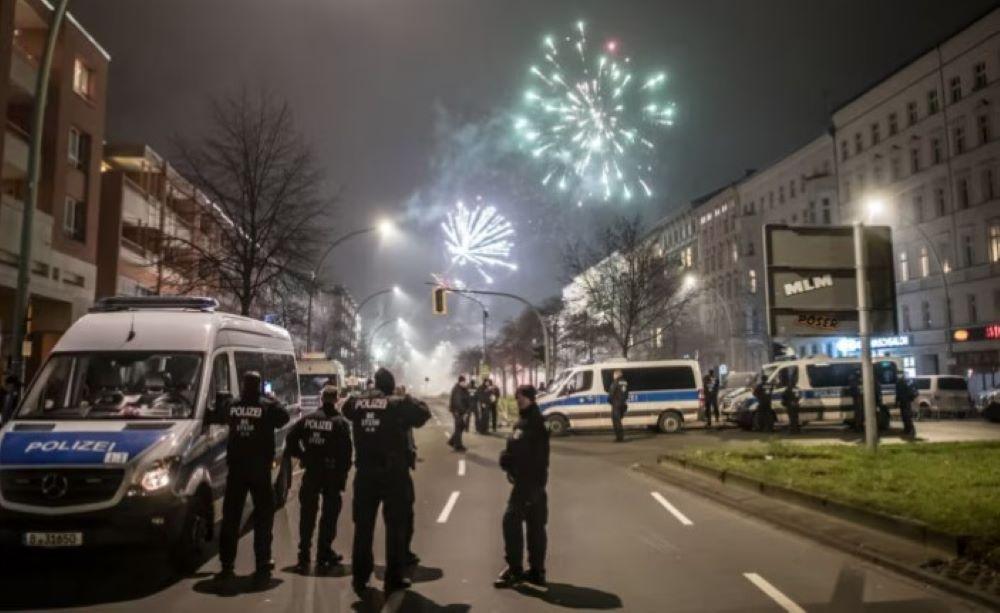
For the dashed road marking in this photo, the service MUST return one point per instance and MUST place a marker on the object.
(448, 506)
(673, 510)
(461, 468)
(774, 593)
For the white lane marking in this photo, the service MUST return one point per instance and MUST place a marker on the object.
(461, 468)
(673, 510)
(446, 435)
(774, 593)
(448, 506)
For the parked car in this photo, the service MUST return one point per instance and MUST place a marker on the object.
(989, 404)
(939, 395)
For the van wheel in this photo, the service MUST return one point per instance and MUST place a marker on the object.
(923, 411)
(283, 484)
(762, 421)
(191, 549)
(557, 425)
(670, 422)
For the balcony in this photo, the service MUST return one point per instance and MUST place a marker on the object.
(15, 153)
(23, 76)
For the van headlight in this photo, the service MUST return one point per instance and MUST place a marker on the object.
(158, 475)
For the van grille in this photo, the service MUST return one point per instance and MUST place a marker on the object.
(61, 487)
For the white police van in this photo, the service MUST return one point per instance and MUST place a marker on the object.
(662, 394)
(111, 446)
(823, 392)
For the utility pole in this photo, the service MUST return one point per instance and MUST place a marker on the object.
(21, 297)
(864, 332)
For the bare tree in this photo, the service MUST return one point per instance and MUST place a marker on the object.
(467, 361)
(626, 286)
(263, 187)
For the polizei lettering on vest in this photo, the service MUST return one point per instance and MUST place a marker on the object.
(809, 284)
(239, 411)
(371, 403)
(319, 424)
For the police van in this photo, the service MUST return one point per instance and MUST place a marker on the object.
(823, 385)
(316, 371)
(661, 394)
(111, 445)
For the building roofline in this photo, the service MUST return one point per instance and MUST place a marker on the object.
(83, 30)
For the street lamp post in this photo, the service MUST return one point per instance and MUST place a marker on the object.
(394, 289)
(486, 316)
(371, 337)
(20, 315)
(385, 227)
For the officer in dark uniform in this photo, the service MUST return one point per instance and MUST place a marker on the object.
(905, 395)
(763, 395)
(790, 399)
(710, 389)
(252, 420)
(857, 401)
(382, 461)
(322, 442)
(459, 405)
(618, 397)
(411, 559)
(526, 462)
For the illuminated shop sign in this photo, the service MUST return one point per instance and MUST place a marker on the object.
(989, 332)
(850, 345)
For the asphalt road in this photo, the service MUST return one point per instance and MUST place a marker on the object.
(617, 541)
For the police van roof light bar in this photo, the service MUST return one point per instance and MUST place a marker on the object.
(137, 303)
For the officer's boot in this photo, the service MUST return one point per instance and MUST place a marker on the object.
(304, 560)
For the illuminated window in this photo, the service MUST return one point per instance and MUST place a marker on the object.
(83, 79)
(995, 240)
(74, 219)
(925, 262)
(753, 281)
(904, 268)
(74, 146)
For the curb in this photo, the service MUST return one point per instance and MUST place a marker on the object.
(674, 476)
(949, 544)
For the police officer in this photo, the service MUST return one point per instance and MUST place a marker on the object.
(857, 402)
(492, 398)
(411, 559)
(252, 420)
(763, 396)
(526, 462)
(459, 405)
(618, 397)
(322, 442)
(790, 400)
(710, 388)
(905, 395)
(382, 472)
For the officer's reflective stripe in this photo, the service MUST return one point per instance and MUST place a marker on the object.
(689, 395)
(448, 506)
(673, 510)
(774, 593)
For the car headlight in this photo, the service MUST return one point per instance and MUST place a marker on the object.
(158, 476)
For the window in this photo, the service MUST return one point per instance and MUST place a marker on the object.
(955, 87)
(893, 124)
(752, 281)
(995, 240)
(580, 381)
(904, 267)
(936, 150)
(932, 102)
(843, 150)
(925, 262)
(925, 314)
(220, 381)
(827, 218)
(781, 194)
(939, 203)
(83, 79)
(736, 252)
(914, 160)
(989, 189)
(985, 129)
(959, 140)
(857, 143)
(791, 188)
(968, 251)
(973, 314)
(918, 209)
(75, 219)
(875, 134)
(74, 147)
(894, 169)
(906, 319)
(911, 113)
(979, 75)
(963, 193)
(277, 371)
(651, 379)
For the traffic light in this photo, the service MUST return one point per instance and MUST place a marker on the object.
(440, 301)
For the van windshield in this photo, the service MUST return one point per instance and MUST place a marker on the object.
(312, 385)
(115, 385)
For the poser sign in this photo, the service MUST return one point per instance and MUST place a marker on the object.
(811, 288)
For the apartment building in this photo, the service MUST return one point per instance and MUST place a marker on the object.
(64, 243)
(342, 328)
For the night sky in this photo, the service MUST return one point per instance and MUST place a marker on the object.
(407, 102)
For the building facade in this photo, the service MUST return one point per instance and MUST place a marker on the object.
(65, 230)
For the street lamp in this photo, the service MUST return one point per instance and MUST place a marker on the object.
(394, 289)
(486, 316)
(690, 283)
(378, 328)
(875, 206)
(384, 227)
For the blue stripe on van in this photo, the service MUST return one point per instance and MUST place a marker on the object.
(633, 398)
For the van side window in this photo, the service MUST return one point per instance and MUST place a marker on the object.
(788, 375)
(220, 381)
(277, 371)
(653, 378)
(580, 381)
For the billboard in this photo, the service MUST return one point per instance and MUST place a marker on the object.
(811, 289)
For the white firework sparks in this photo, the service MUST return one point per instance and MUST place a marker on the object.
(479, 237)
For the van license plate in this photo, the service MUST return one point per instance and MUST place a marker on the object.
(53, 539)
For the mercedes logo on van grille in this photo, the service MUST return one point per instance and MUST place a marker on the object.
(54, 486)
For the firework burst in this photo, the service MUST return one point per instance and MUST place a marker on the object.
(478, 237)
(587, 119)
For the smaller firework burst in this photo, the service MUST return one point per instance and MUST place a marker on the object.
(478, 237)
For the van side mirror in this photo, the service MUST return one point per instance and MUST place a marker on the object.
(220, 403)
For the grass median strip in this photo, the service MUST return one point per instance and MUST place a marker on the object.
(952, 487)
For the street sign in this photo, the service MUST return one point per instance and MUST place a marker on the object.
(811, 285)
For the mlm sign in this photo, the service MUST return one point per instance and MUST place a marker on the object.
(811, 283)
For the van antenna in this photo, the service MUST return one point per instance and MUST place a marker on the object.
(131, 328)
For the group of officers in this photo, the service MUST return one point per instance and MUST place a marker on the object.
(373, 432)
(468, 402)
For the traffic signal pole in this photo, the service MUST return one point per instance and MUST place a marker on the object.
(864, 331)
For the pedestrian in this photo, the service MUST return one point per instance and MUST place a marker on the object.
(483, 395)
(905, 395)
(252, 420)
(526, 462)
(710, 389)
(790, 400)
(322, 442)
(857, 402)
(382, 474)
(459, 405)
(762, 394)
(10, 395)
(618, 397)
(492, 404)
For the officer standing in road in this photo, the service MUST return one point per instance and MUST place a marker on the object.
(857, 402)
(763, 396)
(618, 397)
(252, 420)
(322, 442)
(710, 388)
(382, 471)
(790, 400)
(526, 462)
(905, 395)
(459, 405)
(492, 399)
(483, 394)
